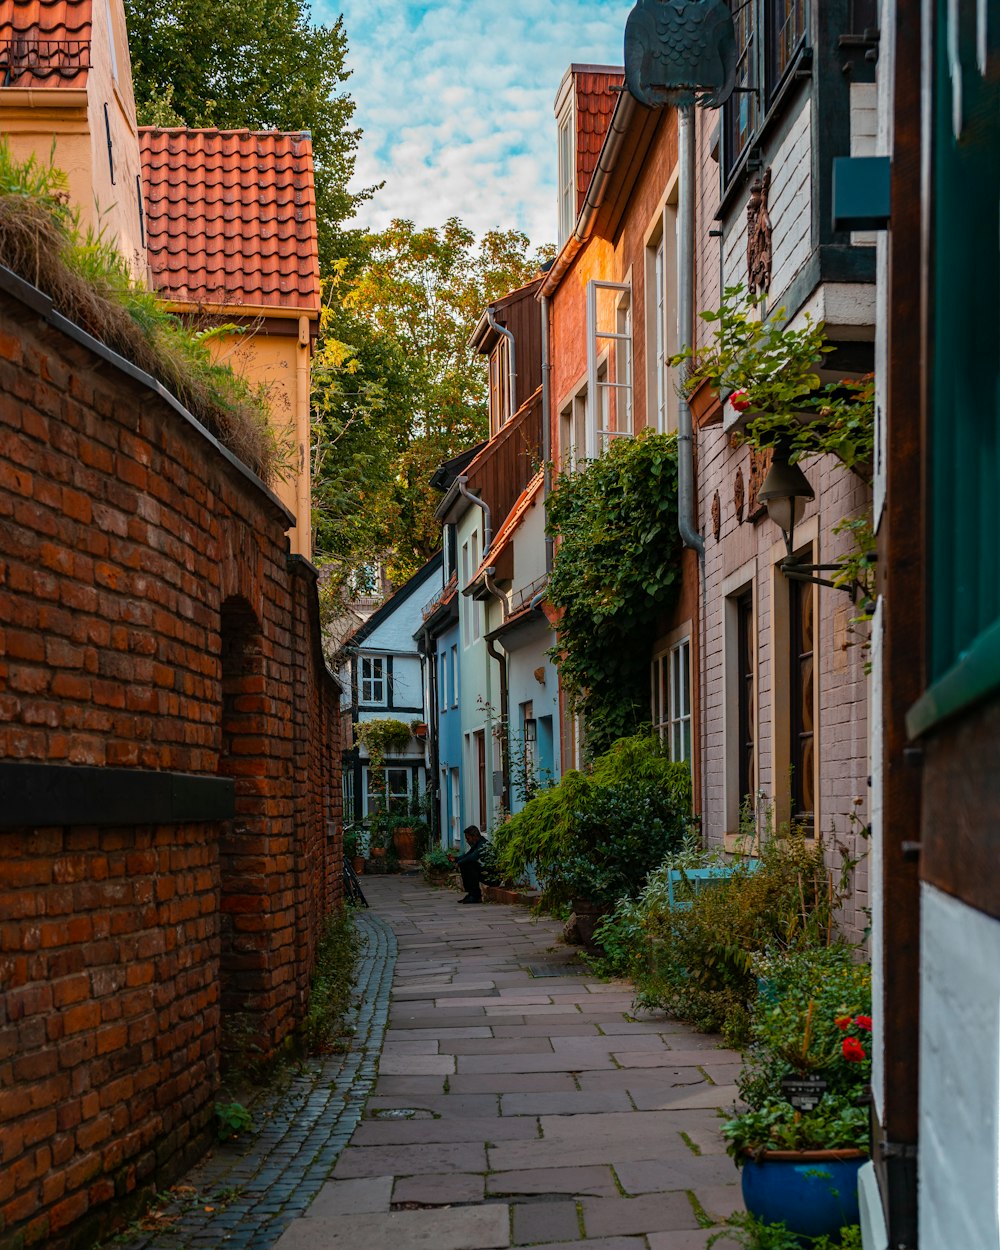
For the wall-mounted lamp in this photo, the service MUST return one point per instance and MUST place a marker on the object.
(785, 492)
(530, 730)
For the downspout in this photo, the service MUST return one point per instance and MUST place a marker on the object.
(687, 521)
(463, 490)
(303, 487)
(501, 659)
(511, 361)
(546, 430)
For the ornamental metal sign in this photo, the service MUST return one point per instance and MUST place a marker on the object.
(680, 52)
(803, 1092)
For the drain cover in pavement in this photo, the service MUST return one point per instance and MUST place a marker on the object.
(402, 1113)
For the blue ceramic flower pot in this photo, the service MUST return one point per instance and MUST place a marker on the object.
(814, 1193)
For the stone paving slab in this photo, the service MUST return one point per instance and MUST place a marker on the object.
(597, 1181)
(444, 1106)
(646, 1176)
(363, 1195)
(420, 1132)
(650, 1213)
(484, 1227)
(571, 1103)
(410, 1160)
(544, 1221)
(440, 1190)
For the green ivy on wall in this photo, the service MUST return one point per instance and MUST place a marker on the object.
(617, 569)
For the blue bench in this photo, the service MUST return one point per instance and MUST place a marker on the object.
(696, 879)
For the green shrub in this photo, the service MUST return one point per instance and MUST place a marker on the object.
(698, 961)
(598, 835)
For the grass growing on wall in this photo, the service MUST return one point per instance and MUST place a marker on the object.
(89, 282)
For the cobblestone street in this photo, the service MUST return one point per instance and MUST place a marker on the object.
(517, 1101)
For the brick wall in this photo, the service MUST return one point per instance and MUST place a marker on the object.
(150, 619)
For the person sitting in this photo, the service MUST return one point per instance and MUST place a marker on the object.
(469, 865)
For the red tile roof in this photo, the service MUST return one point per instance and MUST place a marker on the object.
(231, 217)
(597, 95)
(44, 43)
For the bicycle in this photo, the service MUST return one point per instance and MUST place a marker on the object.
(353, 892)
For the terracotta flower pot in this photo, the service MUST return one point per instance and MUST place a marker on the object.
(404, 839)
(358, 864)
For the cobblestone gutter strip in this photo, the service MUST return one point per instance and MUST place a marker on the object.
(274, 1178)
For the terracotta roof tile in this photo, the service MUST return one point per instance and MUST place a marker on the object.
(231, 217)
(44, 43)
(596, 97)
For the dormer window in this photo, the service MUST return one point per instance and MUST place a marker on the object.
(500, 400)
(567, 171)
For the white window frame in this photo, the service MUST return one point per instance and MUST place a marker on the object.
(454, 675)
(662, 329)
(619, 344)
(370, 683)
(366, 772)
(671, 701)
(443, 664)
(566, 147)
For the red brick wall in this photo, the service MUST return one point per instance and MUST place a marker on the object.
(126, 539)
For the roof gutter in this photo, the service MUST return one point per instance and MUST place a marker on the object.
(621, 119)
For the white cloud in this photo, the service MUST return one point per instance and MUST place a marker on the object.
(455, 99)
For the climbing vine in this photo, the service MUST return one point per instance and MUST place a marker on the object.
(617, 568)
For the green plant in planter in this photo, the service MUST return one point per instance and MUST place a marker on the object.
(836, 1124)
(436, 865)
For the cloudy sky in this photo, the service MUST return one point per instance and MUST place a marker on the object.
(455, 98)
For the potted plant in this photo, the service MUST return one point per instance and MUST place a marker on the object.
(353, 847)
(418, 728)
(438, 869)
(805, 1134)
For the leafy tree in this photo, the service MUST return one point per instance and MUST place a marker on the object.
(254, 64)
(397, 389)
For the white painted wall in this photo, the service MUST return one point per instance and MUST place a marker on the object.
(959, 1165)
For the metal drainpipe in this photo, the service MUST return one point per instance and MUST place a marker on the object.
(687, 522)
(511, 361)
(501, 659)
(463, 490)
(546, 428)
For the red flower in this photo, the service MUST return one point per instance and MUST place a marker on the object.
(854, 1052)
(843, 1022)
(863, 1022)
(740, 400)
